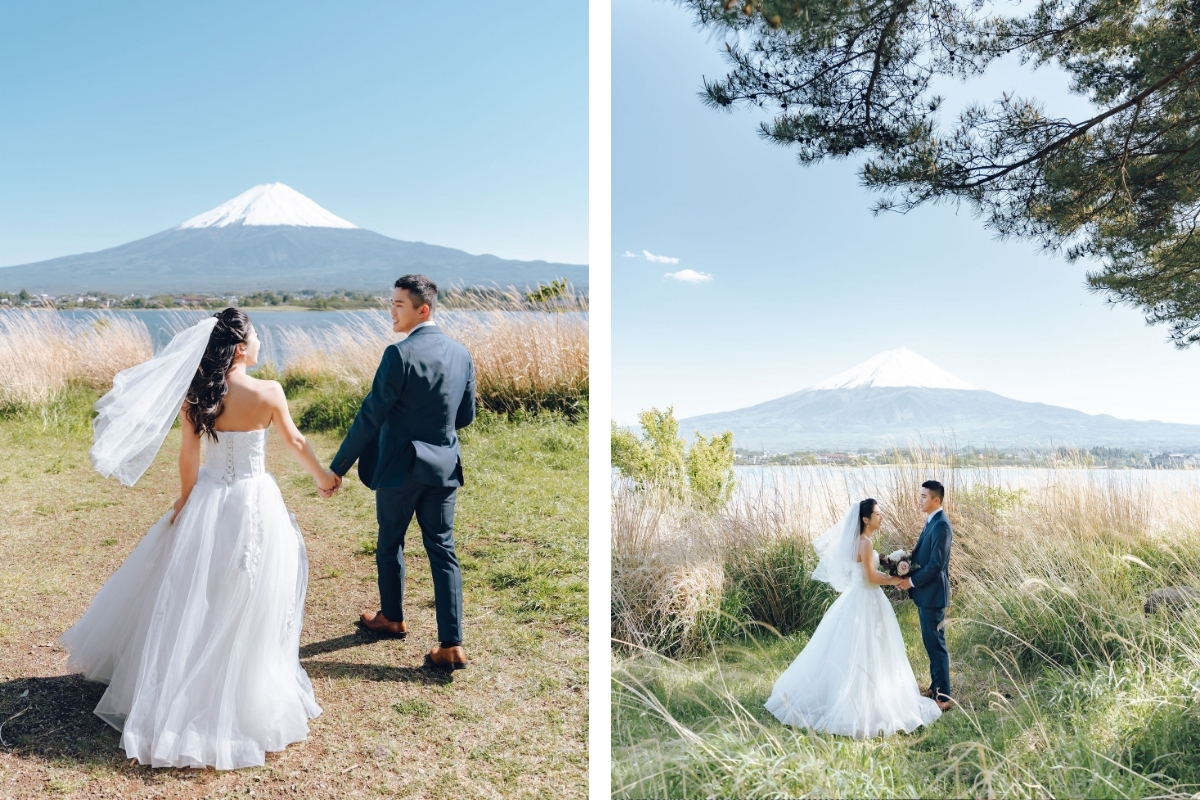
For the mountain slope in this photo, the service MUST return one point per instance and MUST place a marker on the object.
(272, 237)
(860, 414)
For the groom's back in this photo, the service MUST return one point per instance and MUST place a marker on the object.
(437, 373)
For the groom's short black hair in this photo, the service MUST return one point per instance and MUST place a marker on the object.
(422, 290)
(935, 488)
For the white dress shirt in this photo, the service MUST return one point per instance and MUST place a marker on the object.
(422, 325)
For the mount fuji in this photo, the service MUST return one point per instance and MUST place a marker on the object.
(272, 237)
(898, 397)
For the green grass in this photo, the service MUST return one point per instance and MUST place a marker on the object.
(1064, 686)
(698, 729)
(514, 724)
(331, 405)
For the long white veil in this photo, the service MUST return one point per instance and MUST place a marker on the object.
(836, 547)
(136, 414)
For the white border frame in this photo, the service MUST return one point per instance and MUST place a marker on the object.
(599, 394)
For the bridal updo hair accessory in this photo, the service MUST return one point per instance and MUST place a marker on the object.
(133, 418)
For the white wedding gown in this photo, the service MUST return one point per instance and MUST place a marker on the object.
(197, 634)
(853, 677)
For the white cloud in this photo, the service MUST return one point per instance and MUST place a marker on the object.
(689, 276)
(660, 259)
(629, 254)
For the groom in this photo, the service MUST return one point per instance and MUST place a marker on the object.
(929, 588)
(407, 451)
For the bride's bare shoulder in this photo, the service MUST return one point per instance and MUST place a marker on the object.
(268, 390)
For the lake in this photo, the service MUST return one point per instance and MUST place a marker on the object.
(1170, 495)
(863, 480)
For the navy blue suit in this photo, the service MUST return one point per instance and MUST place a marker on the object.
(931, 594)
(405, 442)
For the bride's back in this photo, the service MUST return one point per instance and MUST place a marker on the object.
(246, 406)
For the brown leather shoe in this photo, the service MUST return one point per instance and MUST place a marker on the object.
(376, 622)
(927, 692)
(944, 705)
(448, 657)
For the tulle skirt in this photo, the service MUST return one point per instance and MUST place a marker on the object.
(853, 677)
(197, 634)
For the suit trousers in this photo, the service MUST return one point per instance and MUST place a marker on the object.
(935, 644)
(434, 509)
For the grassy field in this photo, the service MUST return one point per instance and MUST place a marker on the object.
(1065, 686)
(512, 725)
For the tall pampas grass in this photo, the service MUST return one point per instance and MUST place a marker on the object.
(522, 360)
(531, 360)
(1058, 570)
(42, 353)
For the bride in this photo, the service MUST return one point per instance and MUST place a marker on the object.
(197, 633)
(853, 677)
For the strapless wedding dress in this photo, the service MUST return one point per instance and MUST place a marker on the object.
(853, 677)
(197, 634)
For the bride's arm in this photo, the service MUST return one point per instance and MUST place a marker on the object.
(873, 575)
(294, 440)
(189, 460)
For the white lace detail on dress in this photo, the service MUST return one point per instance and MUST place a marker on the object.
(239, 455)
(253, 549)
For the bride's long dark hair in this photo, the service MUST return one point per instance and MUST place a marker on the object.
(865, 509)
(206, 395)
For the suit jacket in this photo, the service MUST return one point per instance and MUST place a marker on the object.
(931, 583)
(423, 391)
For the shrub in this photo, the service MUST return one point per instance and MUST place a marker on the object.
(332, 409)
(773, 584)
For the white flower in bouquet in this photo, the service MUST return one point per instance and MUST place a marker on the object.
(896, 556)
(902, 568)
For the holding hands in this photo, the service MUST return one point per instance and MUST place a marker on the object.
(329, 483)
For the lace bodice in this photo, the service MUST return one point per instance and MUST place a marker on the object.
(236, 455)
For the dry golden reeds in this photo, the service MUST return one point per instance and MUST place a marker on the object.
(522, 360)
(1061, 567)
(530, 360)
(667, 571)
(42, 352)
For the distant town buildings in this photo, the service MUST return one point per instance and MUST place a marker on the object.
(1095, 458)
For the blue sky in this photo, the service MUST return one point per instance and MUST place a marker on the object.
(461, 125)
(807, 283)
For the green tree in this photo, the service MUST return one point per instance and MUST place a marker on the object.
(546, 292)
(1120, 185)
(630, 455)
(657, 456)
(703, 473)
(710, 469)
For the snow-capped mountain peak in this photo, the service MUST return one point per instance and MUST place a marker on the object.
(894, 368)
(268, 204)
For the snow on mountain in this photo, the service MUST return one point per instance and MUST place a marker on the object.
(898, 397)
(894, 368)
(268, 204)
(272, 237)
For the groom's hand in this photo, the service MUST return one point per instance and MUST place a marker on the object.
(905, 584)
(332, 484)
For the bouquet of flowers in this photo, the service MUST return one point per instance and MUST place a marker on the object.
(898, 564)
